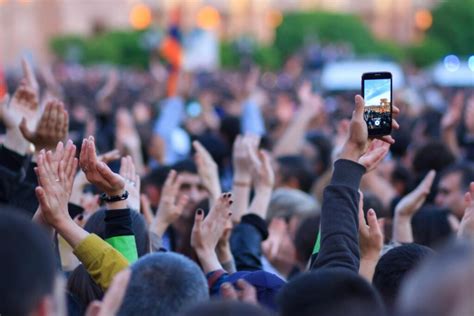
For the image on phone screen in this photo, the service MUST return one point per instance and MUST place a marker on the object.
(378, 109)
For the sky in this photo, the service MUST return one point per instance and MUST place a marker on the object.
(375, 90)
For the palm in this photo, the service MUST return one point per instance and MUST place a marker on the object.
(22, 105)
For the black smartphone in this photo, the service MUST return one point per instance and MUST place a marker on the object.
(377, 93)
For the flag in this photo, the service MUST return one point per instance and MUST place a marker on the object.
(171, 51)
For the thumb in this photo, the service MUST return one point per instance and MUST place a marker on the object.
(25, 131)
(359, 107)
(372, 221)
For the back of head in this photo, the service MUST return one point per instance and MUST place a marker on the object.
(227, 308)
(304, 238)
(433, 155)
(442, 286)
(431, 227)
(394, 266)
(186, 165)
(296, 167)
(27, 270)
(329, 292)
(290, 202)
(164, 284)
(96, 224)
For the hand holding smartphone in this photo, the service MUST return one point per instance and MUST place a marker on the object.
(377, 94)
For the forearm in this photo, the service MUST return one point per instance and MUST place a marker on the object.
(225, 257)
(292, 140)
(367, 268)
(240, 195)
(261, 201)
(15, 141)
(71, 232)
(402, 230)
(449, 138)
(208, 259)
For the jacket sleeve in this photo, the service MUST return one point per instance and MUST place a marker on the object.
(119, 233)
(245, 242)
(101, 260)
(339, 240)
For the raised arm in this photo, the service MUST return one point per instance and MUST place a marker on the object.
(339, 246)
(208, 172)
(407, 208)
(291, 143)
(450, 122)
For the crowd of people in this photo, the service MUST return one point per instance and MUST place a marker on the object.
(240, 193)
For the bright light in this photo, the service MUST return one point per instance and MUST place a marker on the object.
(451, 63)
(274, 18)
(140, 17)
(423, 19)
(208, 18)
(470, 63)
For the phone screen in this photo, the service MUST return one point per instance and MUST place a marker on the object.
(377, 92)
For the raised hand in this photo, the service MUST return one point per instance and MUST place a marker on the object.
(263, 182)
(375, 154)
(466, 228)
(55, 178)
(207, 170)
(453, 115)
(311, 103)
(370, 241)
(97, 172)
(132, 182)
(52, 127)
(207, 232)
(469, 115)
(171, 204)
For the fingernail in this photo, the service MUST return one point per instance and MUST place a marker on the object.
(371, 212)
(199, 211)
(225, 286)
(80, 217)
(230, 202)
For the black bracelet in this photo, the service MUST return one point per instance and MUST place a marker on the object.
(114, 198)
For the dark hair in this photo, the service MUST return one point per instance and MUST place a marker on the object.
(441, 286)
(304, 237)
(28, 264)
(431, 227)
(296, 167)
(324, 147)
(465, 169)
(329, 292)
(156, 177)
(82, 286)
(164, 284)
(228, 308)
(433, 155)
(394, 266)
(372, 201)
(186, 165)
(96, 224)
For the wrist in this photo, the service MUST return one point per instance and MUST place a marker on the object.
(242, 176)
(370, 258)
(350, 152)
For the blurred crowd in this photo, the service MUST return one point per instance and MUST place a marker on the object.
(241, 192)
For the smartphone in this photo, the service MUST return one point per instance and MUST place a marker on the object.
(377, 93)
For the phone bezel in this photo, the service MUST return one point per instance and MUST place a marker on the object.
(379, 75)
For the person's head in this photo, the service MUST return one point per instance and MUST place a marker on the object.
(441, 286)
(433, 226)
(304, 239)
(454, 183)
(191, 186)
(164, 284)
(394, 266)
(228, 308)
(27, 276)
(82, 287)
(152, 184)
(294, 172)
(96, 224)
(329, 292)
(433, 155)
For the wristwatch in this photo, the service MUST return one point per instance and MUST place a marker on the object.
(114, 198)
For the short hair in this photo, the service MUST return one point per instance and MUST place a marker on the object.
(228, 308)
(465, 169)
(164, 284)
(433, 155)
(96, 224)
(287, 202)
(297, 167)
(28, 266)
(186, 165)
(394, 266)
(441, 286)
(431, 226)
(304, 238)
(329, 292)
(156, 177)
